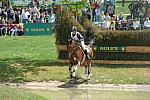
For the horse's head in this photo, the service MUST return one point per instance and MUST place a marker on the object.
(72, 48)
(73, 45)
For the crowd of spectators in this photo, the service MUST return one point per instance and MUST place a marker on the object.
(105, 18)
(13, 18)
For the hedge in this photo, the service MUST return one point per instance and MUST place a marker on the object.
(118, 56)
(123, 38)
(63, 27)
(65, 22)
(102, 38)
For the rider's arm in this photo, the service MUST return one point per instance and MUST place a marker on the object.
(80, 37)
(69, 38)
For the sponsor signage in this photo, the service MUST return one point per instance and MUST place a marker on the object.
(109, 48)
(20, 2)
(38, 29)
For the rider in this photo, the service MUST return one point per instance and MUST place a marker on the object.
(76, 36)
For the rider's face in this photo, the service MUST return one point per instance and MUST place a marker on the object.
(74, 33)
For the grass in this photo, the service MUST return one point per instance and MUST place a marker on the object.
(124, 10)
(28, 48)
(9, 93)
(113, 74)
(19, 55)
(34, 58)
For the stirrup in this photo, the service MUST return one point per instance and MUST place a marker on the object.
(87, 56)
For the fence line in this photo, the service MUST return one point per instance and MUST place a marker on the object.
(131, 49)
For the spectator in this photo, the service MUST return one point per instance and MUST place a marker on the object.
(42, 17)
(30, 19)
(37, 13)
(48, 9)
(102, 21)
(120, 19)
(52, 18)
(2, 27)
(88, 15)
(15, 8)
(25, 15)
(129, 23)
(134, 9)
(8, 11)
(42, 9)
(107, 19)
(20, 29)
(12, 30)
(97, 13)
(131, 8)
(47, 17)
(147, 23)
(136, 24)
(3, 14)
(94, 6)
(112, 23)
(1, 30)
(10, 16)
(17, 17)
(121, 16)
(110, 10)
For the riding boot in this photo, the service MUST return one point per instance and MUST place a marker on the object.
(87, 56)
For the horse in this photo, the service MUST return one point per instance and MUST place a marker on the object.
(77, 57)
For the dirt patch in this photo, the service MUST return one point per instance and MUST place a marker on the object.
(56, 85)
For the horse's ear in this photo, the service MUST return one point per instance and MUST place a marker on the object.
(68, 45)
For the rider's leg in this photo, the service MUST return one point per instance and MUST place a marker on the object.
(85, 50)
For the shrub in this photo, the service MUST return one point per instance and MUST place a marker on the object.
(64, 24)
(123, 38)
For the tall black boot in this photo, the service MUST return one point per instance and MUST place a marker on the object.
(87, 56)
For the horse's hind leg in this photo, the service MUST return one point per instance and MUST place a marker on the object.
(86, 71)
(89, 71)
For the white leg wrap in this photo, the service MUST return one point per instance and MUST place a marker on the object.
(75, 69)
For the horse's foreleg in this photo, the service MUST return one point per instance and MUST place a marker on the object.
(86, 71)
(70, 70)
(75, 69)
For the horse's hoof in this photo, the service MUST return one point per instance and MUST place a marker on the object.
(88, 81)
(71, 80)
(71, 76)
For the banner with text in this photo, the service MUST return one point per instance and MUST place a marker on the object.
(109, 48)
(38, 29)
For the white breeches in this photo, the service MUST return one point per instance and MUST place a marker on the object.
(83, 45)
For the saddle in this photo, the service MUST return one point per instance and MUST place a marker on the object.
(74, 48)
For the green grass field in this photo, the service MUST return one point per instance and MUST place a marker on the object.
(9, 93)
(19, 55)
(34, 58)
(28, 48)
(124, 10)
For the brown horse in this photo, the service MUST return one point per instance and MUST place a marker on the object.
(77, 57)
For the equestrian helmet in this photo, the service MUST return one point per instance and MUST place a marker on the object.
(74, 28)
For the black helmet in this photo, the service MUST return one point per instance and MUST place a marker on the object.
(74, 28)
